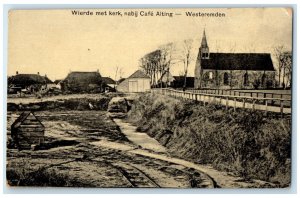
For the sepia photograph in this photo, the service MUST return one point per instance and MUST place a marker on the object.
(149, 98)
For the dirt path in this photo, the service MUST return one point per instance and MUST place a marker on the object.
(106, 157)
(157, 151)
(141, 139)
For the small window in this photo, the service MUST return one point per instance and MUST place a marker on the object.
(246, 79)
(210, 75)
(226, 79)
(263, 79)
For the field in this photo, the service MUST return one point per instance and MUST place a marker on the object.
(88, 149)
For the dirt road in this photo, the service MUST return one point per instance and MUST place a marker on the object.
(86, 148)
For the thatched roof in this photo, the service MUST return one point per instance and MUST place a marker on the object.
(27, 79)
(84, 78)
(108, 80)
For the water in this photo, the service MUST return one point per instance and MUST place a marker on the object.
(141, 139)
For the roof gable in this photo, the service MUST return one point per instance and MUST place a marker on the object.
(108, 80)
(139, 74)
(238, 61)
(84, 77)
(23, 117)
(26, 79)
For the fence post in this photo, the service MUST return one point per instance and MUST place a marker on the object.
(234, 107)
(226, 102)
(196, 97)
(281, 108)
(244, 103)
(266, 106)
(253, 104)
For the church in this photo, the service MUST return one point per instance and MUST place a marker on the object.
(233, 70)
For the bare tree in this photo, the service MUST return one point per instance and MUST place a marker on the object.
(187, 46)
(278, 50)
(286, 65)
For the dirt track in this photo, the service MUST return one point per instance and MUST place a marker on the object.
(100, 155)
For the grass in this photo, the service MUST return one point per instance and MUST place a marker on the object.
(245, 142)
(40, 176)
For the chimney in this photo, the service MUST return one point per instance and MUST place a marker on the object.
(38, 73)
(98, 70)
(17, 72)
(45, 75)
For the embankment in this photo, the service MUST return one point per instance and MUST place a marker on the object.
(246, 143)
(82, 102)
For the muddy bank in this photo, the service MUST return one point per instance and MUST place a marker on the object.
(246, 143)
(97, 103)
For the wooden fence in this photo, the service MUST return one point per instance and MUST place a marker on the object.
(268, 104)
(250, 93)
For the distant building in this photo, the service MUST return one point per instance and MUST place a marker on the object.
(233, 70)
(83, 82)
(109, 82)
(179, 82)
(137, 82)
(29, 82)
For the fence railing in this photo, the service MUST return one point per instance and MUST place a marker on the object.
(249, 93)
(268, 104)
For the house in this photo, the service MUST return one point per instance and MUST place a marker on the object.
(165, 80)
(82, 82)
(49, 84)
(233, 70)
(109, 84)
(29, 82)
(27, 130)
(137, 82)
(178, 82)
(108, 81)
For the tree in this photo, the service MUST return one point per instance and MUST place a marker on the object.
(187, 57)
(278, 50)
(286, 64)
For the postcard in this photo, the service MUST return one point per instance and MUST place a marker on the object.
(150, 98)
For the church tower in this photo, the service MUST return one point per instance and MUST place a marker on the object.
(202, 54)
(204, 49)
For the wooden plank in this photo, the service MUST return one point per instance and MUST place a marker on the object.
(31, 129)
(31, 126)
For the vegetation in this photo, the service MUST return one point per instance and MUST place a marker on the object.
(41, 176)
(244, 142)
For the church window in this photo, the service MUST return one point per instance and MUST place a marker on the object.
(226, 79)
(246, 79)
(210, 74)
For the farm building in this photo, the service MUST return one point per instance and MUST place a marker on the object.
(233, 70)
(176, 81)
(109, 84)
(29, 82)
(82, 82)
(137, 82)
(108, 81)
(27, 130)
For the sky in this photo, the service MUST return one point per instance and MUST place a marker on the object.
(55, 42)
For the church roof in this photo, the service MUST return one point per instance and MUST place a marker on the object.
(238, 61)
(204, 41)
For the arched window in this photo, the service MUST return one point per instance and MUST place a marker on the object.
(263, 80)
(210, 74)
(226, 79)
(246, 79)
